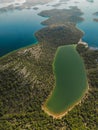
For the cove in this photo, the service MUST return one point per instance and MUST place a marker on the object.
(71, 81)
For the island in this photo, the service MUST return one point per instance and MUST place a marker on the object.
(27, 78)
(8, 5)
(95, 19)
(96, 13)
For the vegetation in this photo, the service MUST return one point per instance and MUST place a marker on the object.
(57, 35)
(26, 80)
(63, 16)
(30, 116)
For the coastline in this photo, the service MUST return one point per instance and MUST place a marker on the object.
(34, 34)
(19, 49)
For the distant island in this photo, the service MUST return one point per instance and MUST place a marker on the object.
(95, 19)
(21, 4)
(96, 13)
(90, 1)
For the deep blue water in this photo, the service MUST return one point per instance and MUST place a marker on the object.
(17, 29)
(88, 26)
(90, 29)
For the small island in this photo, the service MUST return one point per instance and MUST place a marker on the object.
(6, 5)
(95, 19)
(96, 13)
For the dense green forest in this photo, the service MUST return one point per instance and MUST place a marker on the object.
(26, 80)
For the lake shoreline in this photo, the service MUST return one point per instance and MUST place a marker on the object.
(60, 116)
(78, 102)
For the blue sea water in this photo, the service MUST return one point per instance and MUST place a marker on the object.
(17, 29)
(90, 29)
(88, 26)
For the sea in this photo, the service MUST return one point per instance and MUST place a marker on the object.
(18, 27)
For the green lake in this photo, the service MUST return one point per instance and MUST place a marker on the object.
(71, 80)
